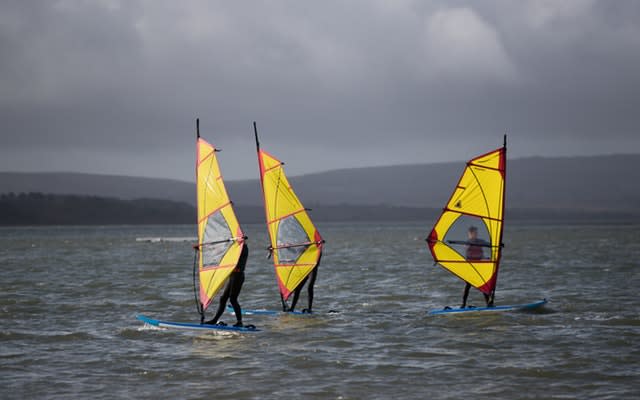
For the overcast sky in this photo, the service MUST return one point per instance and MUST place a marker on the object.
(115, 86)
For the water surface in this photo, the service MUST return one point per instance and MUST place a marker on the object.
(69, 297)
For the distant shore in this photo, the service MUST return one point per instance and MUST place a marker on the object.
(52, 209)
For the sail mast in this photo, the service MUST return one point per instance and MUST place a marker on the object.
(504, 191)
(261, 168)
(196, 248)
(255, 132)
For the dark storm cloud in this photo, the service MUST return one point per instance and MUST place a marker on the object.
(114, 86)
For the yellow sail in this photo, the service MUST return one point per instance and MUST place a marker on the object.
(220, 238)
(296, 244)
(477, 203)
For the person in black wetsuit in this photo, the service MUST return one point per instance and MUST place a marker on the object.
(475, 251)
(232, 290)
(296, 293)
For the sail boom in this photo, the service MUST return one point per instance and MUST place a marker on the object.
(231, 239)
(466, 262)
(288, 246)
(466, 242)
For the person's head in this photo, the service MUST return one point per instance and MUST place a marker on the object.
(473, 232)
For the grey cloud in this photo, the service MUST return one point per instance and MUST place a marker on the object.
(360, 82)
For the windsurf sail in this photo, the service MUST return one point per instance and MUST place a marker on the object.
(477, 203)
(220, 238)
(296, 244)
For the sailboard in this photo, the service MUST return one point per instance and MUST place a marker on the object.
(476, 204)
(296, 245)
(194, 327)
(220, 237)
(515, 307)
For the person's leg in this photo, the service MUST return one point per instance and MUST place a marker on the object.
(223, 302)
(465, 295)
(236, 287)
(312, 282)
(488, 298)
(296, 294)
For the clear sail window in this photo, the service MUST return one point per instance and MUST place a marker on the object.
(215, 242)
(470, 237)
(291, 233)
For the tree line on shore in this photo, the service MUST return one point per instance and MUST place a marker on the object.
(36, 208)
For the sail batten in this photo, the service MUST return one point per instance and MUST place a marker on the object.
(214, 211)
(280, 218)
(296, 245)
(274, 167)
(474, 215)
(476, 204)
(471, 163)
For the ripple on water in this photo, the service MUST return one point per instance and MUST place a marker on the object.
(69, 329)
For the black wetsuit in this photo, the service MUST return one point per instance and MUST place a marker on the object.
(296, 292)
(232, 290)
(487, 298)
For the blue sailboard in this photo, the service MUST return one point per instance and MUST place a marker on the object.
(195, 327)
(467, 310)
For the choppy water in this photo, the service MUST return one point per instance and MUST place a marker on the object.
(69, 296)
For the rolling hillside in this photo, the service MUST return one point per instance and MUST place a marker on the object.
(598, 183)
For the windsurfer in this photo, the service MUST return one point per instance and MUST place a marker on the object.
(475, 251)
(296, 244)
(232, 290)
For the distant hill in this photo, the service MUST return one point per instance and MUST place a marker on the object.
(113, 186)
(49, 209)
(583, 183)
(597, 183)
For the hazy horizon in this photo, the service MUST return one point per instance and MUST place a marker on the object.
(292, 173)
